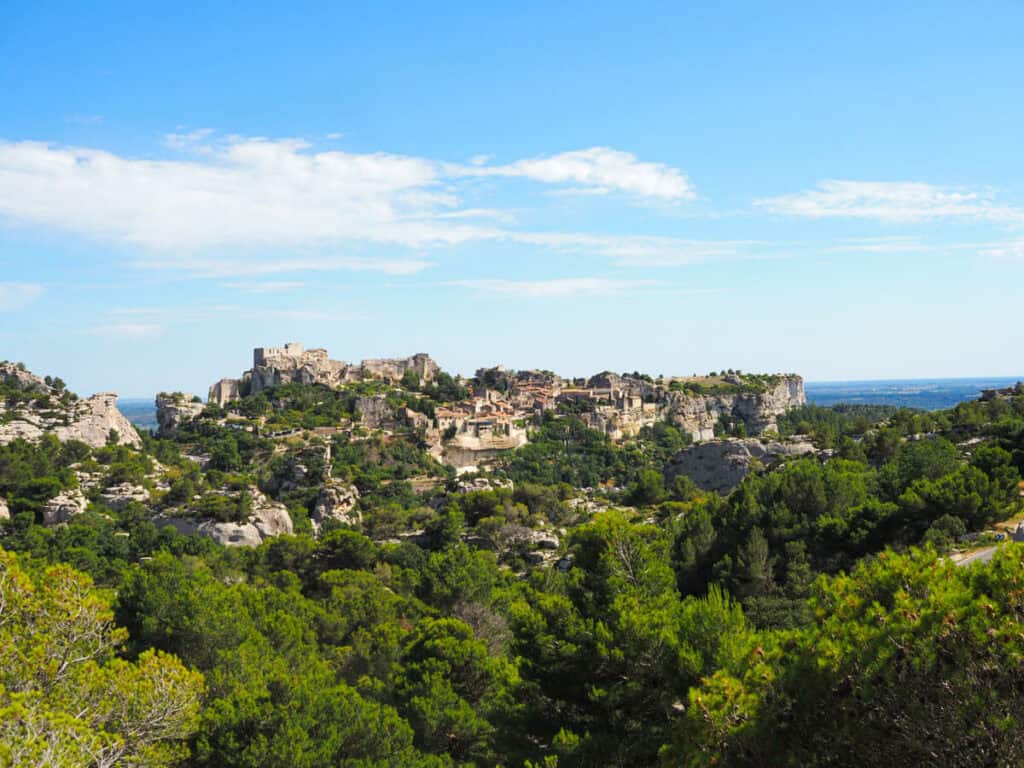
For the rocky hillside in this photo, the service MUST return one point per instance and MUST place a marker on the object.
(32, 407)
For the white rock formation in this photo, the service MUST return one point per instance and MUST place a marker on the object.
(64, 506)
(89, 420)
(174, 408)
(267, 518)
(118, 497)
(720, 465)
(339, 502)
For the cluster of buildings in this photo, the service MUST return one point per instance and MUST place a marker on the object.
(496, 416)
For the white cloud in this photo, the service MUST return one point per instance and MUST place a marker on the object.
(893, 201)
(236, 267)
(557, 288)
(255, 193)
(16, 295)
(249, 192)
(188, 141)
(598, 170)
(127, 330)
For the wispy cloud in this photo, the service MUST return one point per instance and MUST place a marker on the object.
(556, 288)
(17, 295)
(1012, 251)
(642, 250)
(598, 170)
(258, 267)
(892, 201)
(279, 286)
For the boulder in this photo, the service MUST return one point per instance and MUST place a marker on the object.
(227, 534)
(64, 506)
(267, 518)
(720, 465)
(118, 497)
(270, 517)
(337, 501)
(481, 483)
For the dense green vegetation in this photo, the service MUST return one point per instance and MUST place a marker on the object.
(808, 618)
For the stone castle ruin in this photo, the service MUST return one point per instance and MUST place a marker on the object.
(293, 364)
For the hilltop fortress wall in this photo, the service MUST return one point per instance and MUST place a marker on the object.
(293, 364)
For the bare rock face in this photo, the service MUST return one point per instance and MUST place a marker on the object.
(720, 465)
(172, 409)
(227, 534)
(270, 517)
(94, 418)
(374, 411)
(59, 412)
(224, 391)
(698, 414)
(64, 506)
(337, 502)
(118, 497)
(5, 511)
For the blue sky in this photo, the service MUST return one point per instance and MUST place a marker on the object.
(675, 187)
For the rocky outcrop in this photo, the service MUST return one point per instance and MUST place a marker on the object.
(481, 483)
(338, 502)
(720, 465)
(64, 506)
(173, 409)
(758, 411)
(374, 411)
(228, 534)
(50, 410)
(270, 517)
(17, 376)
(94, 418)
(117, 497)
(267, 518)
(224, 391)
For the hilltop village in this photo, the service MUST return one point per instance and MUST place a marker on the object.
(492, 412)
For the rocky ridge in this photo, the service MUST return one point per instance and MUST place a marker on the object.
(47, 409)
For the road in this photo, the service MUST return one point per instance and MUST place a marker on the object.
(981, 556)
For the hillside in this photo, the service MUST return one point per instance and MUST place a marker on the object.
(361, 572)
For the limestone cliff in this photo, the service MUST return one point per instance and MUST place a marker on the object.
(698, 414)
(38, 408)
(622, 406)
